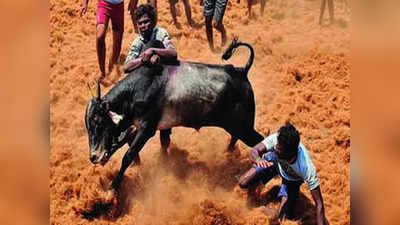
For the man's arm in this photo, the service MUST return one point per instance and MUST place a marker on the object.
(133, 60)
(319, 203)
(165, 52)
(132, 64)
(255, 153)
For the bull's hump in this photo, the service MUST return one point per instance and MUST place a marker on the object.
(196, 81)
(191, 95)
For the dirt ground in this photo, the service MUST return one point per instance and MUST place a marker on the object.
(301, 74)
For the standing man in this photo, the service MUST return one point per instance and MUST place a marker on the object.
(331, 12)
(214, 11)
(282, 153)
(132, 8)
(107, 9)
(188, 11)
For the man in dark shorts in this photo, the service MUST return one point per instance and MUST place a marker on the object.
(106, 10)
(283, 154)
(214, 11)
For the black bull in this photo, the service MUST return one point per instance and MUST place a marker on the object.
(190, 95)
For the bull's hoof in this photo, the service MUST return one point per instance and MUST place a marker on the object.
(110, 195)
(112, 199)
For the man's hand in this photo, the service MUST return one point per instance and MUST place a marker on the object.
(147, 54)
(264, 163)
(155, 59)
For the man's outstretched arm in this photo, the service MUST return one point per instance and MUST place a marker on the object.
(256, 152)
(319, 203)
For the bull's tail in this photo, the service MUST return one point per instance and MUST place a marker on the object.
(231, 49)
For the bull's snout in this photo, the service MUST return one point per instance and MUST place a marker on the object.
(93, 158)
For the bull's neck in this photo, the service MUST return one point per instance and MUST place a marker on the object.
(120, 101)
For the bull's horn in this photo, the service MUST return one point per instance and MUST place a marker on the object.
(115, 117)
(98, 89)
(90, 90)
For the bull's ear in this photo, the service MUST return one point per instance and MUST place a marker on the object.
(105, 105)
(115, 117)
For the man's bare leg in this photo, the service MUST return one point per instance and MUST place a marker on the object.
(101, 30)
(262, 7)
(209, 32)
(117, 42)
(249, 4)
(188, 12)
(321, 14)
(132, 8)
(220, 27)
(154, 4)
(331, 11)
(281, 212)
(172, 8)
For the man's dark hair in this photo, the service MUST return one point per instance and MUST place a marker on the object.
(145, 9)
(289, 138)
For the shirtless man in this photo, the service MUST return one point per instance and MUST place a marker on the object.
(188, 11)
(250, 4)
(214, 11)
(331, 12)
(106, 10)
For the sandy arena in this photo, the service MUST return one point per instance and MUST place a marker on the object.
(301, 74)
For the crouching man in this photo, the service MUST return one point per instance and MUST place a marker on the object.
(282, 153)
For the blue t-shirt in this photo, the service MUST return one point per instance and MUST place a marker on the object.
(302, 169)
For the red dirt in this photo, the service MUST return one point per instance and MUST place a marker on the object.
(301, 74)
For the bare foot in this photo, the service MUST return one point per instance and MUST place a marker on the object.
(270, 212)
(103, 81)
(191, 23)
(111, 67)
(223, 40)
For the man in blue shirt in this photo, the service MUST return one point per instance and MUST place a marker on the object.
(282, 153)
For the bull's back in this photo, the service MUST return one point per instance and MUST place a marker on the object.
(192, 94)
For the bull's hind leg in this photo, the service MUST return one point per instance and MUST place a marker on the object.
(165, 139)
(232, 143)
(251, 137)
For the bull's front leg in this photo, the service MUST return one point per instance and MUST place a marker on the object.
(142, 136)
(127, 137)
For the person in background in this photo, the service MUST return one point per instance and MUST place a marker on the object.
(214, 11)
(331, 11)
(106, 10)
(188, 11)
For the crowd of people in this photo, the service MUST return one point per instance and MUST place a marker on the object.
(280, 154)
(213, 11)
